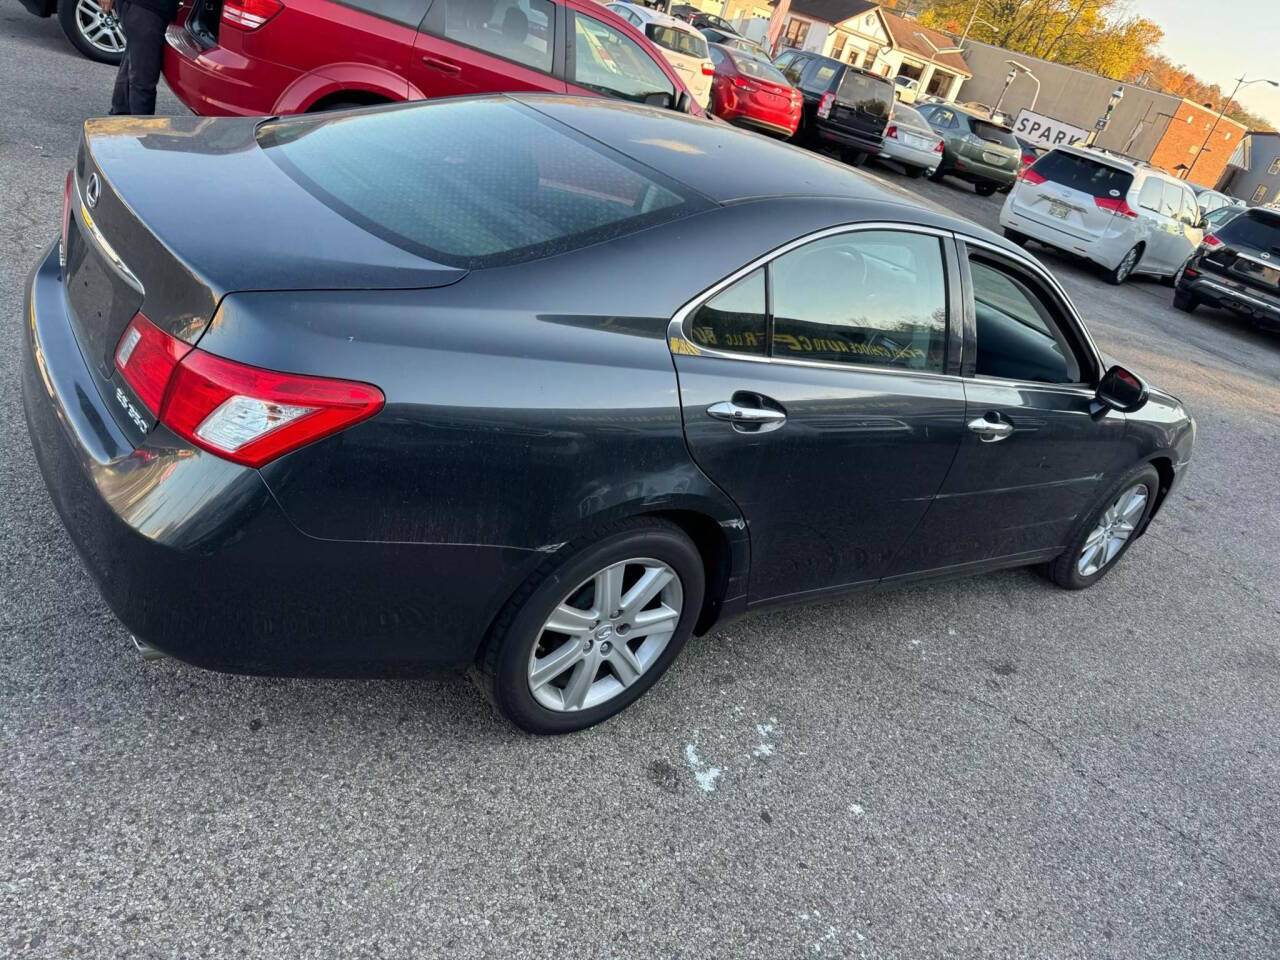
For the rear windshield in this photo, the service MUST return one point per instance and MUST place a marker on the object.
(755, 67)
(868, 94)
(677, 41)
(996, 134)
(906, 116)
(1253, 228)
(1083, 173)
(472, 183)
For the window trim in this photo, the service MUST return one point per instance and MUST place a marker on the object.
(1067, 310)
(679, 342)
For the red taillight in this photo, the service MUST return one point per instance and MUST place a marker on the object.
(1211, 240)
(146, 357)
(824, 105)
(938, 148)
(743, 83)
(250, 14)
(66, 218)
(1028, 158)
(1030, 176)
(892, 131)
(244, 414)
(1116, 205)
(708, 68)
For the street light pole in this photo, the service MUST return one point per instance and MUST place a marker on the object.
(969, 26)
(1101, 124)
(1240, 82)
(1008, 82)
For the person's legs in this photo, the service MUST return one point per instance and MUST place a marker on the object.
(120, 94)
(144, 54)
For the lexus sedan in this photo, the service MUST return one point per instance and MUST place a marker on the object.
(306, 410)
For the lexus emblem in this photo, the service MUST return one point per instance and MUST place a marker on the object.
(92, 189)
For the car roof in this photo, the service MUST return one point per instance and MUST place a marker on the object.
(1105, 157)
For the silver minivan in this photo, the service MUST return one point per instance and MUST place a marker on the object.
(1120, 213)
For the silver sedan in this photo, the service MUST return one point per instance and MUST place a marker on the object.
(910, 141)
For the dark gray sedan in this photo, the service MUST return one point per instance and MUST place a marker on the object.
(542, 386)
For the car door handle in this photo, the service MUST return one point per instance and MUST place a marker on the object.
(991, 431)
(444, 66)
(749, 419)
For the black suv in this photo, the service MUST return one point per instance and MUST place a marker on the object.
(1237, 267)
(844, 107)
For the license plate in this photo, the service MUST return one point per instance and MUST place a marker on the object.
(1059, 210)
(919, 143)
(996, 159)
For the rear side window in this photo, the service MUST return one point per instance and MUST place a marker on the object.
(677, 41)
(1253, 229)
(472, 183)
(519, 30)
(734, 319)
(996, 134)
(1018, 338)
(864, 93)
(821, 78)
(875, 297)
(1084, 174)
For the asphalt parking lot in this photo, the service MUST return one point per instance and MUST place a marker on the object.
(985, 768)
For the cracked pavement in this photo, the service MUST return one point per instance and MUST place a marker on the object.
(985, 768)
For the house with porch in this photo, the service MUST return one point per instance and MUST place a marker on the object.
(866, 35)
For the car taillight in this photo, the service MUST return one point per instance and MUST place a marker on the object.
(938, 148)
(66, 218)
(1211, 240)
(708, 68)
(1116, 205)
(892, 131)
(250, 14)
(1028, 158)
(244, 414)
(743, 83)
(1030, 176)
(824, 105)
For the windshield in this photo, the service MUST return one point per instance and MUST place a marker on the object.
(471, 183)
(755, 67)
(1084, 174)
(1253, 228)
(677, 41)
(995, 134)
(868, 94)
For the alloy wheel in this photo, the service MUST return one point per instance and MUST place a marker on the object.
(102, 31)
(602, 637)
(1127, 264)
(1115, 527)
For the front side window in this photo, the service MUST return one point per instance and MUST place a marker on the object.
(734, 319)
(519, 30)
(608, 62)
(1018, 337)
(875, 297)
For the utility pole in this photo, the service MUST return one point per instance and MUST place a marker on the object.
(1240, 82)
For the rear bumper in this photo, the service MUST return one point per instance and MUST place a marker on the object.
(975, 171)
(1106, 251)
(925, 159)
(220, 83)
(844, 137)
(770, 123)
(195, 557)
(1256, 306)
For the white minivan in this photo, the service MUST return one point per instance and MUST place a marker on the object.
(683, 46)
(1120, 213)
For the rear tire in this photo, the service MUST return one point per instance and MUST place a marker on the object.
(984, 189)
(1121, 272)
(1184, 301)
(1097, 531)
(506, 664)
(938, 174)
(79, 18)
(914, 172)
(1013, 236)
(854, 158)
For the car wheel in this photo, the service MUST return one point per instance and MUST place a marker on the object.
(854, 158)
(1125, 267)
(1185, 301)
(1014, 237)
(938, 174)
(1006, 188)
(1101, 539)
(914, 172)
(585, 638)
(97, 35)
(984, 189)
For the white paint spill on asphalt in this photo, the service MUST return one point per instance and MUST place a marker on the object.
(856, 809)
(705, 774)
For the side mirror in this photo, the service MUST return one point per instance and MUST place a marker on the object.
(1121, 390)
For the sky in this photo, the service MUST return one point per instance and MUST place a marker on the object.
(1220, 41)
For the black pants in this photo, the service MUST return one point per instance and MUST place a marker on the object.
(135, 91)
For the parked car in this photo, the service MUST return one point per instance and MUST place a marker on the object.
(750, 92)
(987, 112)
(844, 107)
(911, 142)
(352, 419)
(683, 46)
(1216, 218)
(701, 20)
(1209, 200)
(976, 150)
(734, 40)
(266, 57)
(1030, 152)
(683, 11)
(906, 89)
(97, 35)
(1123, 215)
(1237, 268)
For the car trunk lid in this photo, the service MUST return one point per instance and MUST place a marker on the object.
(1078, 194)
(862, 103)
(1248, 252)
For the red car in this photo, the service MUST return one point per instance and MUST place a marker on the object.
(751, 92)
(264, 57)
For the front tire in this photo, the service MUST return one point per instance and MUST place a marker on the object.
(1103, 536)
(585, 638)
(91, 32)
